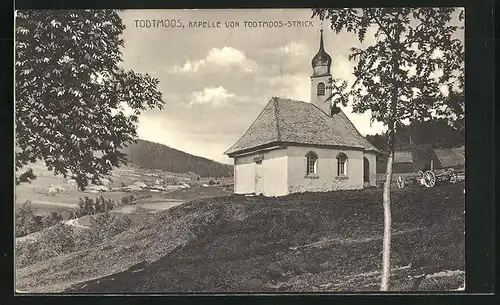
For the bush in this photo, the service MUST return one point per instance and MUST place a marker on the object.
(63, 239)
(100, 205)
(125, 200)
(54, 241)
(110, 204)
(128, 200)
(85, 207)
(88, 206)
(60, 239)
(26, 221)
(27, 253)
(104, 226)
(52, 219)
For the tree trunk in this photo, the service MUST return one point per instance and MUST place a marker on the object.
(386, 250)
(386, 244)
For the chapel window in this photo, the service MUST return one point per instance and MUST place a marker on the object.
(312, 161)
(341, 165)
(321, 89)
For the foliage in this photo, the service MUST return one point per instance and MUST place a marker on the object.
(412, 72)
(102, 205)
(62, 239)
(52, 219)
(104, 226)
(53, 241)
(434, 132)
(27, 253)
(26, 221)
(88, 206)
(27, 176)
(67, 70)
(377, 140)
(128, 199)
(338, 87)
(58, 240)
(125, 200)
(415, 55)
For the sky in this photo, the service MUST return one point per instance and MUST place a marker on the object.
(216, 80)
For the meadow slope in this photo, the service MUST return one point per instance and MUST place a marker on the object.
(301, 242)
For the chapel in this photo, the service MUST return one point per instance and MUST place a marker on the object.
(298, 146)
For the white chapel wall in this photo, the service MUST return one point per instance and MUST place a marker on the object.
(273, 172)
(327, 179)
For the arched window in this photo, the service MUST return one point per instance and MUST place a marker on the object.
(341, 165)
(321, 89)
(312, 162)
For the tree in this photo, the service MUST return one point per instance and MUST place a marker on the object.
(71, 93)
(377, 140)
(412, 72)
(26, 221)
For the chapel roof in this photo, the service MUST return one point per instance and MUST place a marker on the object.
(285, 121)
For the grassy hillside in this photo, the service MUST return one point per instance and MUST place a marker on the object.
(153, 155)
(301, 242)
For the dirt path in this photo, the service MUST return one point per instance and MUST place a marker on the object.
(30, 237)
(74, 223)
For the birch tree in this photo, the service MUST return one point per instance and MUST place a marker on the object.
(75, 107)
(413, 71)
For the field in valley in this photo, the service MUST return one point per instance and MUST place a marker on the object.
(302, 242)
(67, 200)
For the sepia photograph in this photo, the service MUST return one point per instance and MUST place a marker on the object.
(166, 151)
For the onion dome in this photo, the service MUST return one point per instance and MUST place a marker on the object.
(321, 58)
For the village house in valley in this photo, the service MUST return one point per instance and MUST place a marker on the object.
(295, 146)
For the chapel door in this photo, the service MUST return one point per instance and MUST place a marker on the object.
(259, 178)
(366, 170)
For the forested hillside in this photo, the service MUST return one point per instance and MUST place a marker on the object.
(158, 156)
(435, 133)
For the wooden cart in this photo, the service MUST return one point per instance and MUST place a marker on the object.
(431, 177)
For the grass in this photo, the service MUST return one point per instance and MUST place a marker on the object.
(301, 242)
(194, 193)
(60, 239)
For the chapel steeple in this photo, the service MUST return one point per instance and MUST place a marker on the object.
(321, 62)
(321, 78)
